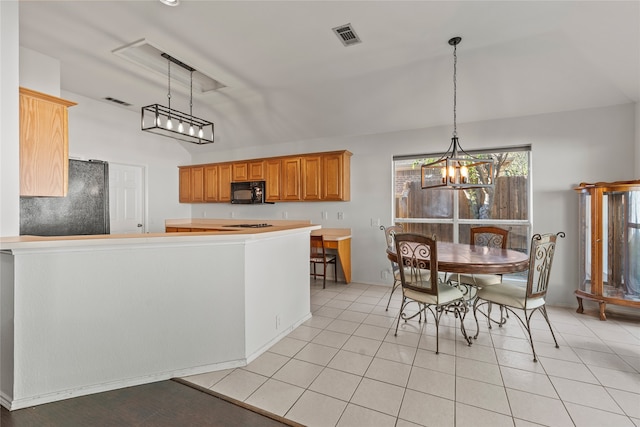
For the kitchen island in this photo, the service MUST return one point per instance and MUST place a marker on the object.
(86, 314)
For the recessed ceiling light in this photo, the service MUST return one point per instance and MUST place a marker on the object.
(170, 2)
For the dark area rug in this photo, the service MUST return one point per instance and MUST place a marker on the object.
(164, 403)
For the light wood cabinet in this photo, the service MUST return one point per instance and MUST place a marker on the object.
(311, 173)
(191, 184)
(273, 178)
(248, 171)
(224, 179)
(184, 179)
(211, 180)
(305, 177)
(609, 244)
(291, 182)
(240, 171)
(44, 144)
(256, 170)
(336, 176)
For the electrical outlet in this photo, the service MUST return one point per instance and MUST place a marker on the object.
(340, 215)
(232, 214)
(278, 321)
(384, 274)
(285, 215)
(325, 215)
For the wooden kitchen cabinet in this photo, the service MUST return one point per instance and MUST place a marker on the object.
(224, 179)
(191, 184)
(240, 171)
(44, 144)
(273, 173)
(291, 182)
(336, 176)
(248, 171)
(311, 174)
(211, 183)
(256, 170)
(609, 244)
(306, 177)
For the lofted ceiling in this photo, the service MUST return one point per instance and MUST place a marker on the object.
(288, 77)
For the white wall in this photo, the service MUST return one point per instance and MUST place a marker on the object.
(637, 174)
(568, 148)
(39, 72)
(9, 120)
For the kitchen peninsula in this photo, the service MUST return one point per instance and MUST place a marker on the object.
(85, 314)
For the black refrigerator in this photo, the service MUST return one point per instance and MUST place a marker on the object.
(85, 209)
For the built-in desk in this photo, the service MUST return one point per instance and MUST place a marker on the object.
(340, 240)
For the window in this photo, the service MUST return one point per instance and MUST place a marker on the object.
(449, 214)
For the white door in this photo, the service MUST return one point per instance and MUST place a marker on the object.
(126, 198)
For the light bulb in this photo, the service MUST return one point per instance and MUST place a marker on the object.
(191, 131)
(180, 127)
(158, 122)
(464, 174)
(200, 133)
(169, 124)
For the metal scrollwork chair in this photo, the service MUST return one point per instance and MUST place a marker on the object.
(389, 233)
(530, 298)
(493, 237)
(418, 261)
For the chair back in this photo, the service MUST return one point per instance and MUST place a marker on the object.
(540, 259)
(418, 255)
(390, 232)
(493, 237)
(317, 246)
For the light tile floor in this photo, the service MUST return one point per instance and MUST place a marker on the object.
(345, 367)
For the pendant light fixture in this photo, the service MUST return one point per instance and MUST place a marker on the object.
(173, 123)
(457, 169)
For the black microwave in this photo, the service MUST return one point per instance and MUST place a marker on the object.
(250, 192)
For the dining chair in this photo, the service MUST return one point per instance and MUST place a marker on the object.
(320, 256)
(417, 256)
(493, 237)
(389, 233)
(529, 298)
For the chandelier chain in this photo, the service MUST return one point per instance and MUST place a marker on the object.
(191, 94)
(455, 90)
(169, 85)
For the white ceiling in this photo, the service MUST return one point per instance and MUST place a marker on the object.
(289, 77)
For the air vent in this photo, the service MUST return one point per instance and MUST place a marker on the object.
(347, 35)
(117, 101)
(148, 56)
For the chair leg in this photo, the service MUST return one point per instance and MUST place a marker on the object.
(543, 310)
(324, 276)
(400, 315)
(395, 285)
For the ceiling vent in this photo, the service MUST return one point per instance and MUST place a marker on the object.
(117, 101)
(150, 57)
(347, 35)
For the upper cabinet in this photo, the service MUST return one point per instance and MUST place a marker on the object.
(305, 177)
(44, 144)
(336, 176)
(248, 171)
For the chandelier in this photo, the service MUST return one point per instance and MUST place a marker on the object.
(457, 169)
(165, 121)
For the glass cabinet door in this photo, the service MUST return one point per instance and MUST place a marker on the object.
(584, 244)
(621, 244)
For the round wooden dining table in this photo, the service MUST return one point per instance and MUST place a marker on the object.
(471, 259)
